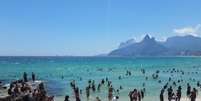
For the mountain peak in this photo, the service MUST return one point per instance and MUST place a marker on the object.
(173, 46)
(147, 37)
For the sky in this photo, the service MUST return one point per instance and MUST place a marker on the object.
(90, 27)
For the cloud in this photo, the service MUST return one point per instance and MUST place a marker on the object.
(188, 30)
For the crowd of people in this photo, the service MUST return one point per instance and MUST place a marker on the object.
(23, 90)
(113, 94)
(191, 94)
(138, 95)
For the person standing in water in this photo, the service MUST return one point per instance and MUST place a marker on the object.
(25, 77)
(115, 98)
(170, 93)
(98, 99)
(77, 94)
(161, 95)
(110, 93)
(142, 93)
(87, 92)
(66, 98)
(193, 95)
(178, 94)
(33, 77)
(188, 92)
(139, 96)
(135, 95)
(130, 95)
(93, 86)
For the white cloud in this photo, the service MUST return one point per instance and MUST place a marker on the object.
(188, 30)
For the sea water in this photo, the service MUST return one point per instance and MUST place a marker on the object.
(58, 72)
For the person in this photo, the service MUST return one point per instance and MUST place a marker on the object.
(142, 93)
(25, 77)
(77, 94)
(110, 93)
(139, 96)
(66, 98)
(178, 94)
(115, 98)
(51, 98)
(33, 77)
(72, 84)
(41, 86)
(170, 93)
(161, 95)
(98, 88)
(130, 95)
(102, 81)
(87, 92)
(98, 99)
(120, 87)
(93, 86)
(174, 97)
(134, 95)
(193, 95)
(198, 83)
(188, 92)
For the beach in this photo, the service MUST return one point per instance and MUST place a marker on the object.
(58, 72)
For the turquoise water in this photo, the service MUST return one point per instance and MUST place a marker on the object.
(51, 69)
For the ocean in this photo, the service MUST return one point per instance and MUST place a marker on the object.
(58, 72)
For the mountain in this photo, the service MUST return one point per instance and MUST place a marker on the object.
(127, 43)
(173, 46)
(101, 55)
(180, 43)
(147, 47)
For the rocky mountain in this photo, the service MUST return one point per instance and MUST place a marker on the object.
(147, 47)
(127, 43)
(173, 46)
(180, 43)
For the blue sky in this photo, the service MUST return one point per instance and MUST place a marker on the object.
(90, 27)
